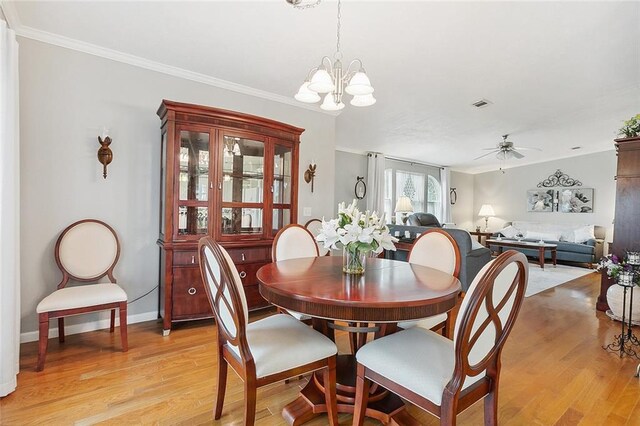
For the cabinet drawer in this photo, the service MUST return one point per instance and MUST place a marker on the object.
(248, 272)
(250, 254)
(189, 299)
(254, 298)
(188, 257)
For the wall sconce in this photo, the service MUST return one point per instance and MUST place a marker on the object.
(104, 154)
(453, 196)
(310, 174)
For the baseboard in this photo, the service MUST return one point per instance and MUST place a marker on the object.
(32, 336)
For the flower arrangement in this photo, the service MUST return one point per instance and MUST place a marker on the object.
(360, 233)
(631, 127)
(616, 267)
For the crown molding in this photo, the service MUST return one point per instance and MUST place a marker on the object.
(11, 14)
(115, 55)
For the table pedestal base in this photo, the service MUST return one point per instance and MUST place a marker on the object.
(383, 405)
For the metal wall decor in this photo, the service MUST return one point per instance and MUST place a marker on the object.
(453, 196)
(105, 156)
(559, 179)
(310, 174)
(360, 188)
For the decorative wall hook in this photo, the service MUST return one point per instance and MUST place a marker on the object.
(104, 154)
(310, 174)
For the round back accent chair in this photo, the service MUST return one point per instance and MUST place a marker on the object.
(315, 226)
(86, 251)
(436, 249)
(263, 352)
(459, 372)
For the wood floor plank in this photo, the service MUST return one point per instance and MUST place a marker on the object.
(555, 372)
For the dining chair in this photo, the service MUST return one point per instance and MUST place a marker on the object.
(315, 226)
(86, 251)
(436, 249)
(265, 351)
(294, 242)
(442, 376)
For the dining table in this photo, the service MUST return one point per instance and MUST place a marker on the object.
(367, 305)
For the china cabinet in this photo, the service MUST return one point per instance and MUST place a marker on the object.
(225, 174)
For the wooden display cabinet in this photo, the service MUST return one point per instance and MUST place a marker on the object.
(225, 174)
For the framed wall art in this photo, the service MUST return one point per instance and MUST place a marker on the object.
(541, 200)
(575, 200)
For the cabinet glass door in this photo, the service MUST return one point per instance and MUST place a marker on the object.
(282, 169)
(242, 185)
(193, 183)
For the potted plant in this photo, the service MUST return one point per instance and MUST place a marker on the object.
(631, 128)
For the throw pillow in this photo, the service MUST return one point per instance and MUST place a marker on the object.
(542, 236)
(583, 234)
(509, 232)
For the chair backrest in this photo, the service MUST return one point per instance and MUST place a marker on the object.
(436, 249)
(87, 250)
(486, 317)
(224, 289)
(293, 242)
(423, 219)
(315, 226)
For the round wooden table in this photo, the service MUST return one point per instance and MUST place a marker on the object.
(388, 292)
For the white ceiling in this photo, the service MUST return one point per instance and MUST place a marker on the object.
(559, 74)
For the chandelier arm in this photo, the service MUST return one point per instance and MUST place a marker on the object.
(310, 73)
(349, 72)
(328, 65)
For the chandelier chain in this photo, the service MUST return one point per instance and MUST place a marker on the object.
(338, 33)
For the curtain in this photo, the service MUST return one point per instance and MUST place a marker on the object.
(375, 183)
(445, 182)
(9, 213)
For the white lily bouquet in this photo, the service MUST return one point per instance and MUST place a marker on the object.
(360, 233)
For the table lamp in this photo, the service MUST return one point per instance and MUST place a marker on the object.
(486, 211)
(403, 205)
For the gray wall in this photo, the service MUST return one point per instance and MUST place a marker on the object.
(348, 167)
(66, 97)
(462, 210)
(506, 192)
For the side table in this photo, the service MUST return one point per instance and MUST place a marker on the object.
(626, 342)
(481, 234)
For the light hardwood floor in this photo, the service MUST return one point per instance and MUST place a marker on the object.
(554, 373)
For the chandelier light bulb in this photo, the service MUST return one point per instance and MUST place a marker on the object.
(305, 95)
(359, 84)
(329, 104)
(321, 82)
(363, 100)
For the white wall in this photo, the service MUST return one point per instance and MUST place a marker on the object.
(506, 192)
(348, 167)
(66, 97)
(462, 210)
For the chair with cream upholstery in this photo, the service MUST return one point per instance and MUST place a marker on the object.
(442, 376)
(315, 226)
(436, 249)
(86, 251)
(294, 242)
(263, 352)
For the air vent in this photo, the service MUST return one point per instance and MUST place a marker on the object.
(481, 103)
(575, 148)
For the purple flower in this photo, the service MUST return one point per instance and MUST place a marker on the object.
(615, 259)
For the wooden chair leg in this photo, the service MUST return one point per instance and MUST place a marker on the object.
(362, 397)
(123, 326)
(448, 410)
(446, 329)
(353, 339)
(250, 391)
(112, 325)
(330, 392)
(43, 339)
(61, 330)
(491, 408)
(221, 385)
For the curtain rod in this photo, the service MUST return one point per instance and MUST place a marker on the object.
(402, 160)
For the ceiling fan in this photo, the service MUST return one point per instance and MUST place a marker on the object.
(506, 150)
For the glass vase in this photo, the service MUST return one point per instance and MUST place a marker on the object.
(353, 261)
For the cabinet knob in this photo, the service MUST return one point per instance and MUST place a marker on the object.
(243, 274)
(242, 256)
(193, 259)
(192, 291)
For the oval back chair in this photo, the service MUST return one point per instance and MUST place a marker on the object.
(262, 352)
(86, 251)
(315, 226)
(458, 373)
(293, 242)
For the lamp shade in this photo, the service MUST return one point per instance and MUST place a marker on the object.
(359, 85)
(321, 82)
(486, 210)
(329, 104)
(363, 100)
(305, 95)
(403, 205)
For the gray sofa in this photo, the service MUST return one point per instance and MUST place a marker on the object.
(588, 252)
(473, 255)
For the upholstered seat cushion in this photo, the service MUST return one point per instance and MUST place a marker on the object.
(81, 296)
(299, 316)
(426, 323)
(418, 359)
(281, 342)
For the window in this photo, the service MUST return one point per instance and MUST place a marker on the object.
(410, 185)
(434, 197)
(423, 189)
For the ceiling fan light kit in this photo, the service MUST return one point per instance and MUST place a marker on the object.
(330, 79)
(506, 150)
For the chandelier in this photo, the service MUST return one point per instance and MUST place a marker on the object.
(332, 81)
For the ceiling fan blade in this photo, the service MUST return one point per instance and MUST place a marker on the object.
(484, 155)
(490, 149)
(526, 148)
(516, 154)
(502, 155)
